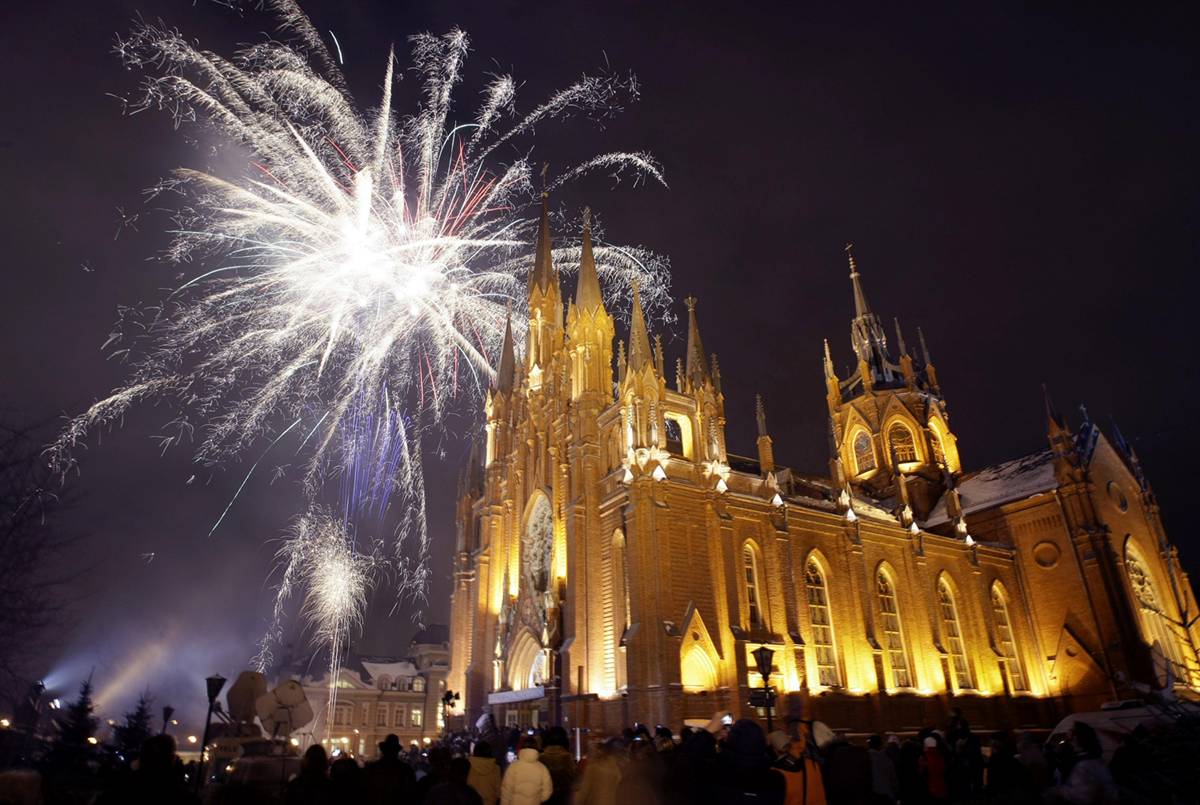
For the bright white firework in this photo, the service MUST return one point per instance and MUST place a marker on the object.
(357, 273)
(319, 555)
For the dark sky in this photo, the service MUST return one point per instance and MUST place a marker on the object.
(1023, 184)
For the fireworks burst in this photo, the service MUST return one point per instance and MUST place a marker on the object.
(349, 286)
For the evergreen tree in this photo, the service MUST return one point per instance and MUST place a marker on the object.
(73, 728)
(136, 729)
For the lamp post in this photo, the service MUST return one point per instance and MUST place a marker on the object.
(762, 657)
(168, 711)
(214, 683)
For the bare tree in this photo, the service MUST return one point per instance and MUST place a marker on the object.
(32, 543)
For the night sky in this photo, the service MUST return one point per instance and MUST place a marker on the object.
(1021, 184)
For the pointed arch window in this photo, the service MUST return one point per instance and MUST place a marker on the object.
(820, 617)
(904, 448)
(622, 612)
(939, 453)
(753, 594)
(952, 636)
(1157, 629)
(893, 633)
(1005, 643)
(864, 453)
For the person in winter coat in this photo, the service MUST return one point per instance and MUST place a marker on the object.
(485, 774)
(601, 777)
(454, 791)
(1089, 780)
(557, 758)
(526, 782)
(801, 772)
(744, 768)
(390, 778)
(884, 783)
(933, 769)
(311, 786)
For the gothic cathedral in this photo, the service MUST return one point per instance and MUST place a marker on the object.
(615, 562)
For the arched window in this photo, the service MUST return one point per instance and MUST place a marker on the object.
(952, 636)
(864, 453)
(622, 605)
(1004, 640)
(939, 453)
(1157, 630)
(893, 634)
(753, 595)
(824, 653)
(901, 440)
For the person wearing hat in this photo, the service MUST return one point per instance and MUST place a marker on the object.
(389, 779)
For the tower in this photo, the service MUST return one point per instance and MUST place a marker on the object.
(889, 423)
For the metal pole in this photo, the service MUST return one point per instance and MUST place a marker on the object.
(203, 749)
(770, 705)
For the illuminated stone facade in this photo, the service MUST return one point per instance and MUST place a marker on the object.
(614, 562)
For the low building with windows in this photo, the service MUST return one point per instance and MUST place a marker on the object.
(377, 696)
(615, 562)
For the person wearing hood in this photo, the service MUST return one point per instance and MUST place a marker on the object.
(527, 781)
(801, 771)
(745, 774)
(557, 758)
(485, 773)
(601, 777)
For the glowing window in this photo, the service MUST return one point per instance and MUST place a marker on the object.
(864, 453)
(674, 436)
(753, 599)
(952, 636)
(903, 446)
(822, 625)
(1156, 629)
(1004, 641)
(893, 636)
(419, 684)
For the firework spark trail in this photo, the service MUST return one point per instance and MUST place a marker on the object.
(353, 282)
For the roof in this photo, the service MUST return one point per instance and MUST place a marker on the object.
(393, 670)
(1017, 479)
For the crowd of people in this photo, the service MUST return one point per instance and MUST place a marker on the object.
(723, 764)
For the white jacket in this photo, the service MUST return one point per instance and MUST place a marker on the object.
(526, 782)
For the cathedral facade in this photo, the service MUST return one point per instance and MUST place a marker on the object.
(616, 563)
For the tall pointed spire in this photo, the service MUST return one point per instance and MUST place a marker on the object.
(828, 361)
(1053, 418)
(697, 362)
(900, 345)
(639, 338)
(924, 349)
(860, 299)
(587, 294)
(506, 369)
(760, 414)
(543, 263)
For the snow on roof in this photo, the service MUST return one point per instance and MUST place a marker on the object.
(394, 670)
(1003, 483)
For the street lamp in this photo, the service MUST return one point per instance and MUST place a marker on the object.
(762, 657)
(214, 684)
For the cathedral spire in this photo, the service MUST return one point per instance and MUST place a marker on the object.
(639, 338)
(696, 367)
(766, 452)
(506, 368)
(924, 349)
(543, 264)
(900, 345)
(828, 361)
(760, 415)
(587, 294)
(860, 299)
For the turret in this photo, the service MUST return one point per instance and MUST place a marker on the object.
(590, 329)
(545, 304)
(766, 453)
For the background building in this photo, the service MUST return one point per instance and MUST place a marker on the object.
(381, 695)
(614, 562)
